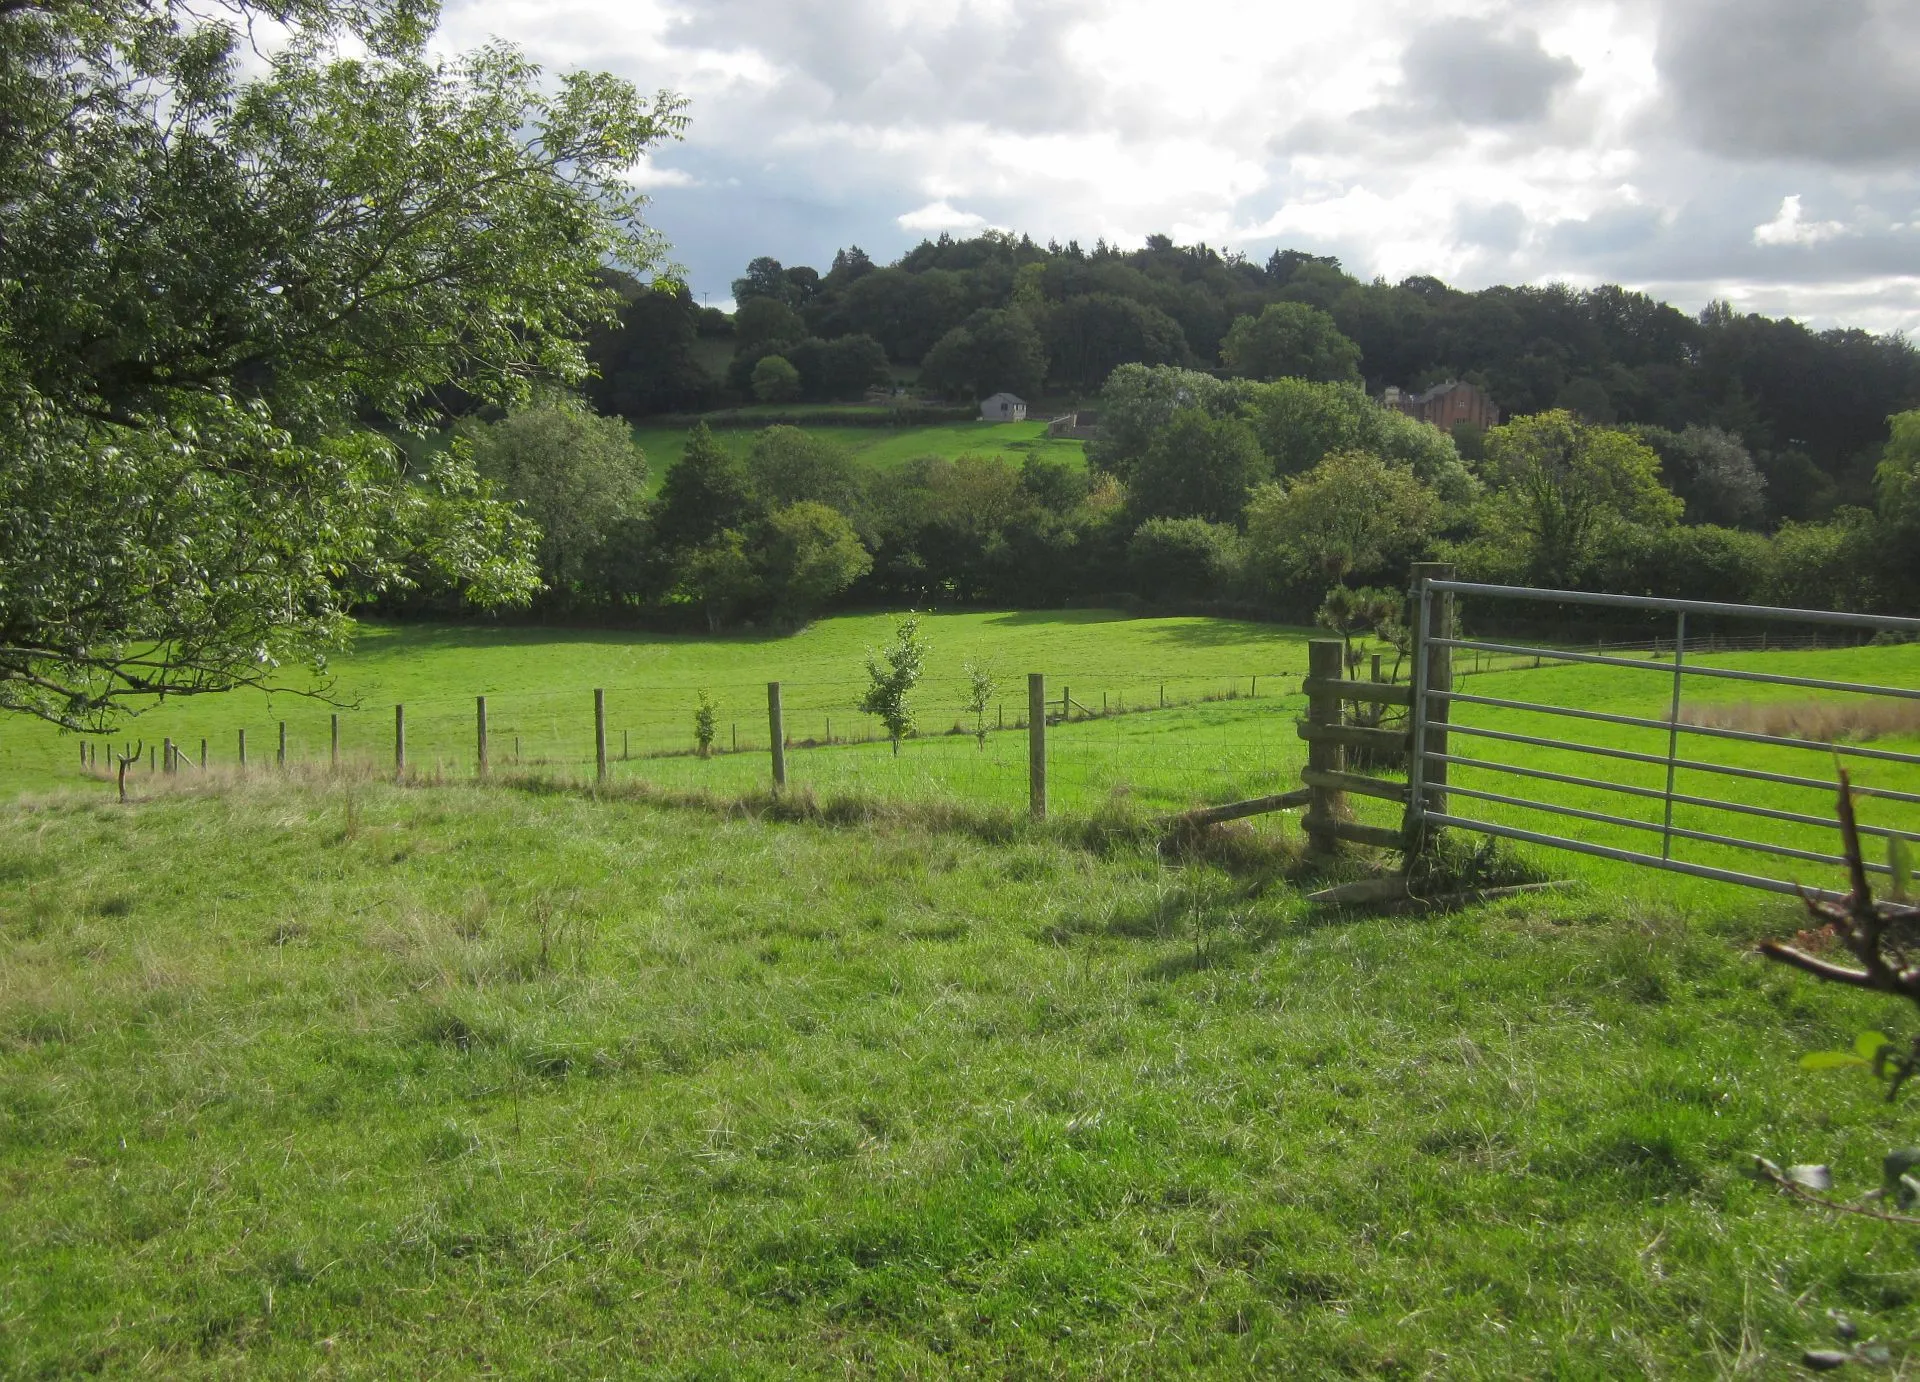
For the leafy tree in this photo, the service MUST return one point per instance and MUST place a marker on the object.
(210, 284)
(1182, 558)
(705, 493)
(1712, 472)
(1300, 423)
(839, 369)
(720, 576)
(1139, 401)
(1560, 484)
(1089, 337)
(704, 715)
(775, 380)
(892, 673)
(812, 554)
(981, 684)
(1294, 340)
(993, 351)
(765, 324)
(788, 465)
(766, 281)
(1198, 467)
(645, 362)
(574, 474)
(1352, 512)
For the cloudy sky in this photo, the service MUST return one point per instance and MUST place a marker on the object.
(1764, 151)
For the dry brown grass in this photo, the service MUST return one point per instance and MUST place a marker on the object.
(1826, 721)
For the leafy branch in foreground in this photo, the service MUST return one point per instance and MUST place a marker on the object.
(218, 298)
(1883, 936)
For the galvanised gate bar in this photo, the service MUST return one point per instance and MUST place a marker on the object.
(1433, 750)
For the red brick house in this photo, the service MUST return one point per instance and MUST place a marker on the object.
(1445, 405)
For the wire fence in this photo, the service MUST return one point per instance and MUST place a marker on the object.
(1169, 742)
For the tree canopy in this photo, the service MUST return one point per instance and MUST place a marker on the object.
(218, 297)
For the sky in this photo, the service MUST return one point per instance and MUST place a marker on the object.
(1762, 151)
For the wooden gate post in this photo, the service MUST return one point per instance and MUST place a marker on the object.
(280, 758)
(1326, 662)
(1037, 744)
(399, 741)
(243, 748)
(1439, 669)
(599, 735)
(777, 729)
(480, 735)
(333, 742)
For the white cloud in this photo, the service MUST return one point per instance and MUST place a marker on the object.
(1586, 140)
(1788, 228)
(938, 216)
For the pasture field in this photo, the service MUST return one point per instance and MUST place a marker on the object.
(883, 448)
(336, 1078)
(1218, 741)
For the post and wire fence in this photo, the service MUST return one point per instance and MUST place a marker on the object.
(1164, 742)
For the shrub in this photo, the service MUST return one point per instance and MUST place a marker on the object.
(1183, 558)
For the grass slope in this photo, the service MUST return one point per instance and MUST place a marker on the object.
(539, 685)
(884, 448)
(358, 1081)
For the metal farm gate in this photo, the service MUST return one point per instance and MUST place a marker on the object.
(1725, 790)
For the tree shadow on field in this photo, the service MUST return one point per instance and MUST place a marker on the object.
(394, 636)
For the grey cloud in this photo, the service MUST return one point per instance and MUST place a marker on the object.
(866, 66)
(1470, 73)
(1828, 80)
(1498, 228)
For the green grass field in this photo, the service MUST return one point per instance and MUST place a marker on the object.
(885, 448)
(319, 1075)
(1229, 732)
(339, 1079)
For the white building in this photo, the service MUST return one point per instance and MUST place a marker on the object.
(1003, 407)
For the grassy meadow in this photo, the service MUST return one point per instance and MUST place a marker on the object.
(316, 1074)
(883, 448)
(343, 1079)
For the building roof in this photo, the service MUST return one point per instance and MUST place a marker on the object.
(1011, 398)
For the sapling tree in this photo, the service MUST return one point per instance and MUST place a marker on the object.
(892, 673)
(981, 684)
(703, 719)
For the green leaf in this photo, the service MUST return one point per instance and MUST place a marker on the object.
(1868, 1043)
(1900, 860)
(1829, 1060)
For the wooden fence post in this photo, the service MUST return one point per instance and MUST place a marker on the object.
(166, 758)
(333, 741)
(480, 735)
(599, 735)
(1433, 776)
(777, 730)
(1326, 662)
(243, 748)
(203, 755)
(280, 758)
(1037, 744)
(399, 741)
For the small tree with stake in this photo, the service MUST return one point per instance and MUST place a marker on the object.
(893, 672)
(981, 684)
(703, 718)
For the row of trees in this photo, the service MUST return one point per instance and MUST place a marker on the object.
(997, 311)
(1202, 490)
